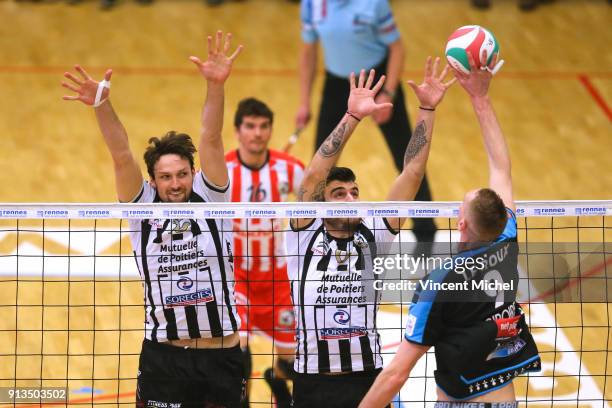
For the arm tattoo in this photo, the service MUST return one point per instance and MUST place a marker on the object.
(332, 144)
(319, 192)
(300, 193)
(417, 142)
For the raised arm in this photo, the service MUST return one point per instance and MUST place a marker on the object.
(360, 104)
(128, 178)
(476, 84)
(216, 69)
(430, 93)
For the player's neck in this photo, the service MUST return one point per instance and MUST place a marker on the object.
(252, 160)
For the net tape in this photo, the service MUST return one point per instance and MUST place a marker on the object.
(412, 209)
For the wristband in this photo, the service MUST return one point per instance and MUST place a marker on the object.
(352, 115)
(427, 109)
(101, 85)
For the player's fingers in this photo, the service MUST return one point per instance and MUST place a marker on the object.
(235, 54)
(226, 44)
(483, 59)
(412, 84)
(370, 80)
(450, 83)
(108, 74)
(434, 70)
(444, 72)
(428, 67)
(70, 98)
(352, 80)
(210, 45)
(471, 61)
(381, 106)
(361, 78)
(195, 60)
(491, 64)
(379, 84)
(70, 86)
(218, 41)
(83, 73)
(74, 79)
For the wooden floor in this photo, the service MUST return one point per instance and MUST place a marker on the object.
(551, 98)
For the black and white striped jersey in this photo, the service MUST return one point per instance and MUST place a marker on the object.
(333, 296)
(186, 267)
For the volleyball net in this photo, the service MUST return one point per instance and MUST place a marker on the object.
(72, 316)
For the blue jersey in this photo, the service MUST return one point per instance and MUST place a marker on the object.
(355, 34)
(460, 322)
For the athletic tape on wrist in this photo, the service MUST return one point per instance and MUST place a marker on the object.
(495, 69)
(101, 85)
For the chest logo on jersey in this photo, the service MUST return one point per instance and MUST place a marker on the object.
(342, 317)
(201, 296)
(179, 226)
(339, 333)
(184, 283)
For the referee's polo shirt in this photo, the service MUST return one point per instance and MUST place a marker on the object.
(354, 33)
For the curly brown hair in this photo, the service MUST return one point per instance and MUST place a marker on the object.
(171, 143)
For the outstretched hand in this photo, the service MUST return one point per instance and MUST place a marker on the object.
(431, 92)
(361, 99)
(218, 66)
(85, 87)
(476, 83)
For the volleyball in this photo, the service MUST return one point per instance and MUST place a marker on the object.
(473, 39)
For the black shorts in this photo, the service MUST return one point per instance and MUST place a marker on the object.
(175, 377)
(332, 391)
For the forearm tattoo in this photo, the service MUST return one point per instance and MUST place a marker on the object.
(332, 144)
(319, 192)
(417, 142)
(300, 193)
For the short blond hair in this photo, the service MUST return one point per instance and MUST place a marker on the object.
(488, 214)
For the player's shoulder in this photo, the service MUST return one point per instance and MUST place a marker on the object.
(280, 155)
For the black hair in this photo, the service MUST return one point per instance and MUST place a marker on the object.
(340, 174)
(252, 107)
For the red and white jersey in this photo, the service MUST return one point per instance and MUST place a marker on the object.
(280, 175)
